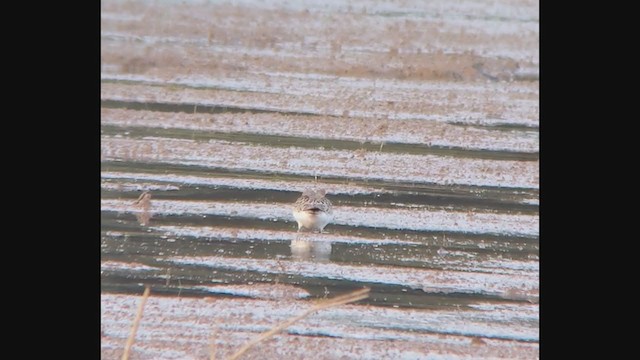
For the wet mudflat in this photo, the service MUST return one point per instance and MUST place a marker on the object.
(420, 121)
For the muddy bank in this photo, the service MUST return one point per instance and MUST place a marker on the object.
(420, 119)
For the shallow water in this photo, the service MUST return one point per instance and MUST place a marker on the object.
(433, 175)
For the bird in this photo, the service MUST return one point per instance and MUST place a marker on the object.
(144, 199)
(143, 204)
(312, 210)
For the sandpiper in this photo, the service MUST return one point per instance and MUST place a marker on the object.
(144, 200)
(313, 210)
(144, 205)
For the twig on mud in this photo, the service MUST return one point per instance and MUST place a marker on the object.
(136, 323)
(337, 301)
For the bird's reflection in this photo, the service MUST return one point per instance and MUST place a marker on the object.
(303, 249)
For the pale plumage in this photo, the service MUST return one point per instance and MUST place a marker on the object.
(313, 210)
(144, 205)
(144, 199)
